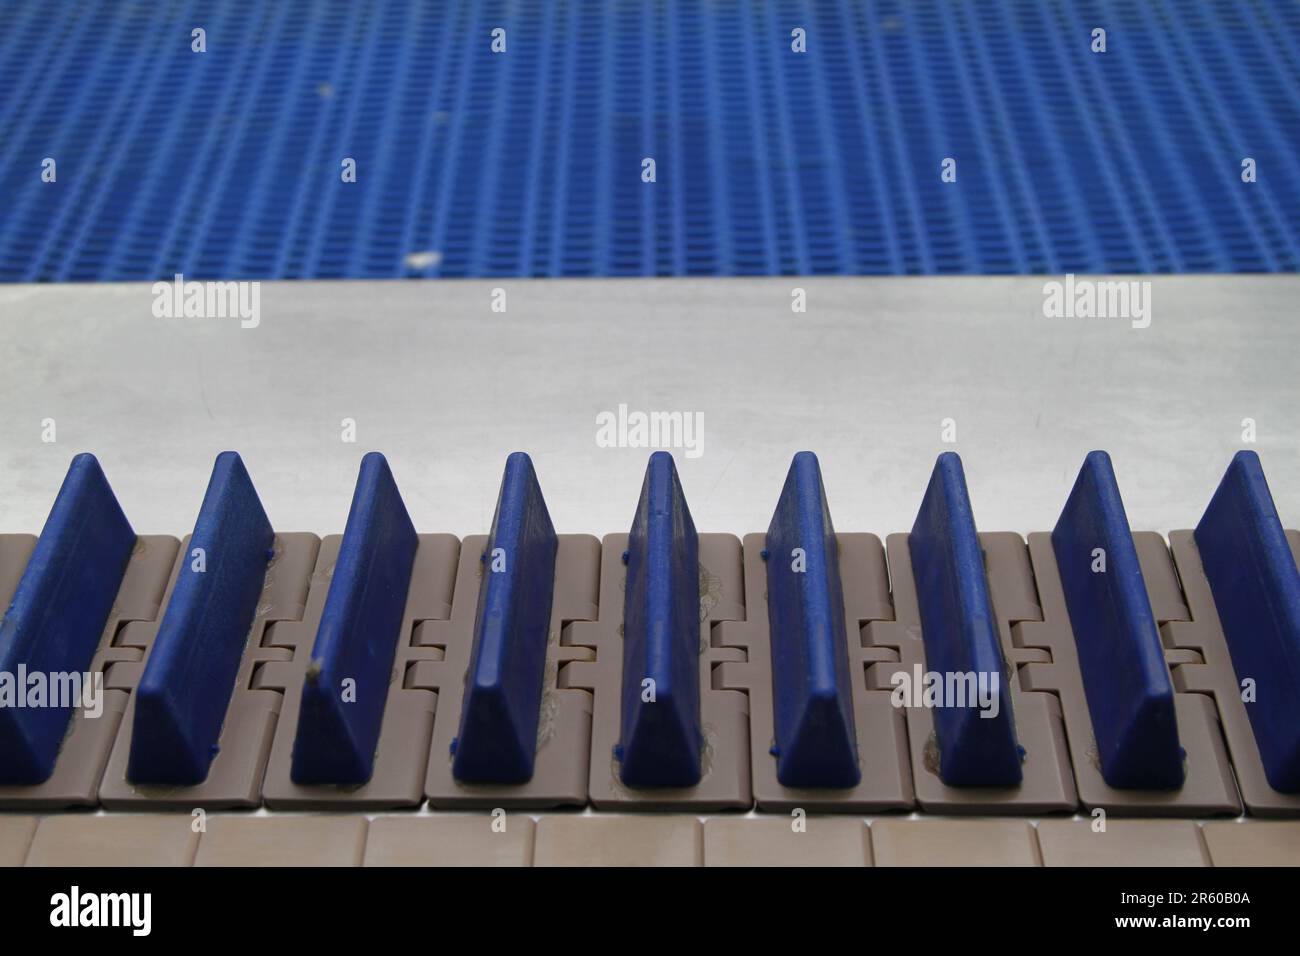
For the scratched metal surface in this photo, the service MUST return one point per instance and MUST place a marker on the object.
(446, 388)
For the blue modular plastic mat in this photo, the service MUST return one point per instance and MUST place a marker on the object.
(227, 163)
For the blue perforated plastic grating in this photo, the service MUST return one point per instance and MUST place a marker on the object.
(226, 164)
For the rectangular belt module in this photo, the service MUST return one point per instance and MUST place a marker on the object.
(1238, 570)
(1105, 592)
(352, 732)
(509, 731)
(956, 598)
(820, 587)
(1127, 684)
(662, 734)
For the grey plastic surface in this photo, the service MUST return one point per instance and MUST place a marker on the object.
(724, 714)
(634, 839)
(235, 776)
(397, 780)
(89, 740)
(580, 709)
(1208, 788)
(881, 729)
(1047, 785)
(564, 731)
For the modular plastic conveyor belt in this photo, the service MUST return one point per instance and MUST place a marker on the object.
(398, 138)
(945, 671)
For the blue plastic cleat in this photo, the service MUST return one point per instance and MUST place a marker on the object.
(977, 748)
(1121, 658)
(816, 740)
(181, 702)
(346, 687)
(661, 739)
(497, 740)
(57, 616)
(1256, 586)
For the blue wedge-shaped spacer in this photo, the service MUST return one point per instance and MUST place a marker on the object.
(974, 726)
(1121, 658)
(346, 686)
(1256, 586)
(497, 740)
(660, 740)
(53, 625)
(816, 742)
(185, 690)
